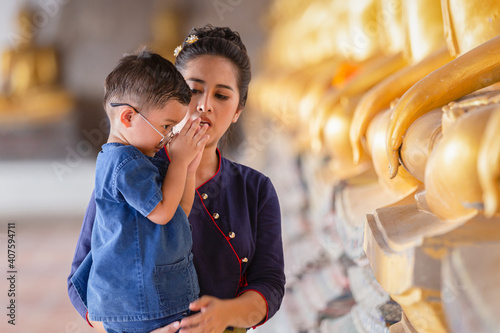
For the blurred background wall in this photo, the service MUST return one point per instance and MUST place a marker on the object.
(54, 146)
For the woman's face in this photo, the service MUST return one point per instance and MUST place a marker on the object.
(215, 99)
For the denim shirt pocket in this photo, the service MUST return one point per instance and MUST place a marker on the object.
(177, 284)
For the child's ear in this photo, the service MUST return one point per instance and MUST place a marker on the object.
(126, 116)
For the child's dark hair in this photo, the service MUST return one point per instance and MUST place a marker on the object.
(147, 80)
(219, 41)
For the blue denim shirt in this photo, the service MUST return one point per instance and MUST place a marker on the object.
(137, 270)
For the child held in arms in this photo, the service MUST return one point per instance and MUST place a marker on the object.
(139, 275)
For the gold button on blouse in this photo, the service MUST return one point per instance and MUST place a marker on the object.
(204, 196)
(244, 259)
(216, 215)
(232, 235)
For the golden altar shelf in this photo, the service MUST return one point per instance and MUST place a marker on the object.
(393, 107)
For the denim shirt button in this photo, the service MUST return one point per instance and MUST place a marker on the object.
(232, 235)
(204, 196)
(216, 215)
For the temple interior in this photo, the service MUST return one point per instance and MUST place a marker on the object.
(376, 120)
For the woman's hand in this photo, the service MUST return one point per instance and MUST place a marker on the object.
(212, 318)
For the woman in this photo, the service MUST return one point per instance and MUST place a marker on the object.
(236, 222)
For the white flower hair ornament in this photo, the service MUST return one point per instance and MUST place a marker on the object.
(190, 40)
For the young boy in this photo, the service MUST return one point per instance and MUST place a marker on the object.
(139, 275)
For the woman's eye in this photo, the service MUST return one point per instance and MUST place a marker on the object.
(219, 96)
(195, 91)
(166, 127)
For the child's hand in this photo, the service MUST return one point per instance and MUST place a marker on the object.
(187, 146)
(194, 164)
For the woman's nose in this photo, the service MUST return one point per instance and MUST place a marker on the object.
(204, 105)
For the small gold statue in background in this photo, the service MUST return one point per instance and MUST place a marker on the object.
(30, 88)
(165, 31)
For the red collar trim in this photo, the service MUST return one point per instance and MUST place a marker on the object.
(166, 152)
(216, 173)
(218, 169)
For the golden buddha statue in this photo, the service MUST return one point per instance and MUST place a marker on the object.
(30, 88)
(468, 24)
(488, 162)
(165, 31)
(374, 32)
(477, 67)
(360, 44)
(425, 51)
(423, 24)
(453, 190)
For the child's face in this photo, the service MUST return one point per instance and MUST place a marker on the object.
(144, 137)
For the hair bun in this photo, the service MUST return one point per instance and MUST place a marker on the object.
(219, 32)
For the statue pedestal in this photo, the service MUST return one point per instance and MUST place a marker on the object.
(56, 139)
(406, 246)
(470, 292)
(404, 326)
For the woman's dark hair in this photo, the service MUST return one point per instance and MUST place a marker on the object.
(219, 41)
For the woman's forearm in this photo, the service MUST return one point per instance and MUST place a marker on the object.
(247, 310)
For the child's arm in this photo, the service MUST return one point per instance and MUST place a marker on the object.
(184, 148)
(188, 196)
(172, 189)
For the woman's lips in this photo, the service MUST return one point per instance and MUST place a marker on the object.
(203, 122)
